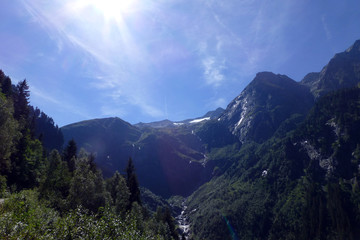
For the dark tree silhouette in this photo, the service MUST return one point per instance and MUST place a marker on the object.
(132, 183)
(69, 155)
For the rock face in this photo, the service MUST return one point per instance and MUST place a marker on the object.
(264, 104)
(343, 71)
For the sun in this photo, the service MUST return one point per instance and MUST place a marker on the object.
(113, 9)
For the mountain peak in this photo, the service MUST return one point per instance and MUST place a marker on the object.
(342, 71)
(272, 79)
(355, 47)
(264, 104)
(214, 114)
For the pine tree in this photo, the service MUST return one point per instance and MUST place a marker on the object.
(132, 183)
(21, 103)
(69, 155)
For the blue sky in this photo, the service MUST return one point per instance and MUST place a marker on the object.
(147, 60)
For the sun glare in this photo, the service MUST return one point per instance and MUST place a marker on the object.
(113, 9)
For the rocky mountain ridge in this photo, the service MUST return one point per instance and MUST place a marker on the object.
(264, 104)
(342, 71)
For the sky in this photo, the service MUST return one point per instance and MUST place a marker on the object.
(149, 60)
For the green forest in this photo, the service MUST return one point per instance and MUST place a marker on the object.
(51, 192)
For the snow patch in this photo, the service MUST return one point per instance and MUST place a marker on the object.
(178, 124)
(200, 120)
(242, 115)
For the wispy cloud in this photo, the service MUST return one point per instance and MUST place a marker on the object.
(325, 27)
(37, 93)
(213, 71)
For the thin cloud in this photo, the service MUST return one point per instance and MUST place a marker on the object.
(37, 93)
(325, 27)
(213, 71)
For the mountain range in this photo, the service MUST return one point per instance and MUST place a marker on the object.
(280, 162)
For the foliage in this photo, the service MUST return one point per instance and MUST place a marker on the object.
(87, 187)
(8, 133)
(119, 192)
(164, 215)
(2, 186)
(23, 216)
(56, 185)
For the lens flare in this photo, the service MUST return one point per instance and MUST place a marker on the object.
(231, 229)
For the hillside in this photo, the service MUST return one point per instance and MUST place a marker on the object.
(303, 185)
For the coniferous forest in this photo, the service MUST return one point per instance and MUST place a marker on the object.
(282, 161)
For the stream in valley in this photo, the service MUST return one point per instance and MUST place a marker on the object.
(183, 223)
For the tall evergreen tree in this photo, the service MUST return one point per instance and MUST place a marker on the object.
(21, 103)
(70, 155)
(27, 162)
(132, 183)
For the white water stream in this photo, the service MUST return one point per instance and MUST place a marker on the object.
(183, 222)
